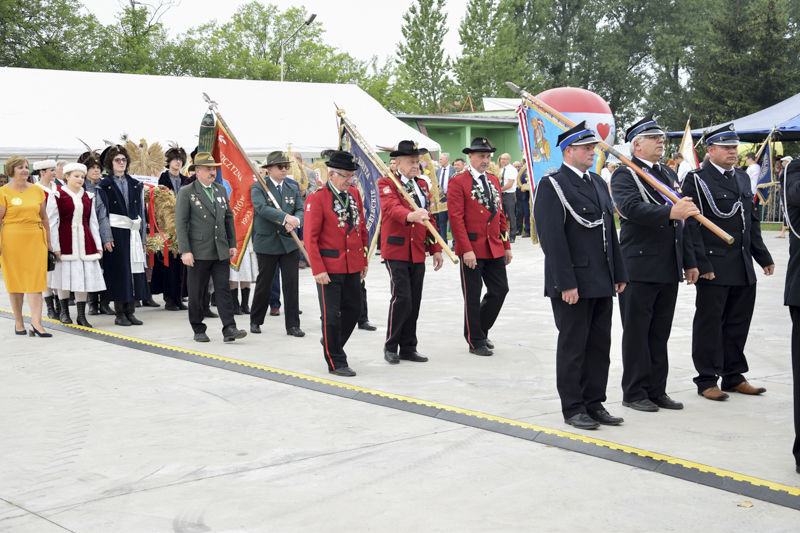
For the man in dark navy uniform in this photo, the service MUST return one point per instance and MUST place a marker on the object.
(726, 290)
(583, 270)
(657, 258)
(791, 296)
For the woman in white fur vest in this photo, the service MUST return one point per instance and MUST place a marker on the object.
(75, 236)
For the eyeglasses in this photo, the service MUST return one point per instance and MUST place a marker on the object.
(282, 166)
(120, 160)
(353, 175)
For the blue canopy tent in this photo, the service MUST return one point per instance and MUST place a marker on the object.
(784, 117)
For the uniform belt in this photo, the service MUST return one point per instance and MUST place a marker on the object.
(137, 251)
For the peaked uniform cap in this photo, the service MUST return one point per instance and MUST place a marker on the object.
(724, 136)
(646, 126)
(577, 136)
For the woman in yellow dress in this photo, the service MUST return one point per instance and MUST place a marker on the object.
(24, 243)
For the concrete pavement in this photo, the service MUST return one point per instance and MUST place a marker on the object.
(98, 437)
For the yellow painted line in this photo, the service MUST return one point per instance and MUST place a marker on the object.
(794, 491)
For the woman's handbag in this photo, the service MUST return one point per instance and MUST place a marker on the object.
(51, 261)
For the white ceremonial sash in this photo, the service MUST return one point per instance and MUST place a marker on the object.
(137, 251)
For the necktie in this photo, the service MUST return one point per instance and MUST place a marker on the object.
(728, 174)
(587, 179)
(280, 189)
(488, 192)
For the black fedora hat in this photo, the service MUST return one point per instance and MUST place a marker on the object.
(480, 144)
(275, 158)
(408, 148)
(343, 161)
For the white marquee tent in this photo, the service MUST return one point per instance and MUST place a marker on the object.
(45, 112)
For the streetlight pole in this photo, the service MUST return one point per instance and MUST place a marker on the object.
(300, 27)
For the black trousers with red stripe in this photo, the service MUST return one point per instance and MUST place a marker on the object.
(480, 314)
(340, 305)
(405, 280)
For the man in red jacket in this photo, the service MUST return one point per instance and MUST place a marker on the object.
(479, 228)
(404, 240)
(336, 242)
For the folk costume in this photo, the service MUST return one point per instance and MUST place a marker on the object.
(275, 246)
(123, 267)
(91, 159)
(791, 295)
(75, 233)
(336, 241)
(50, 298)
(574, 217)
(656, 253)
(403, 247)
(724, 305)
(168, 279)
(479, 225)
(205, 229)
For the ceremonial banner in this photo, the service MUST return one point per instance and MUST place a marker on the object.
(764, 158)
(237, 178)
(366, 182)
(687, 148)
(538, 133)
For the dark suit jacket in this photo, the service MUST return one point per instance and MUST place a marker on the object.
(573, 254)
(269, 233)
(791, 295)
(732, 264)
(653, 246)
(205, 228)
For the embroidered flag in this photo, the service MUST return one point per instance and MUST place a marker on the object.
(366, 182)
(237, 177)
(764, 187)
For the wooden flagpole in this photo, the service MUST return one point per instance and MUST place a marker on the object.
(382, 166)
(212, 105)
(657, 185)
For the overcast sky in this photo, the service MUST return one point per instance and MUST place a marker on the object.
(362, 28)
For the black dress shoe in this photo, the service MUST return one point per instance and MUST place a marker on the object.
(201, 337)
(416, 357)
(208, 313)
(367, 326)
(582, 421)
(181, 306)
(606, 419)
(667, 403)
(391, 358)
(296, 332)
(489, 344)
(481, 350)
(230, 334)
(345, 371)
(149, 302)
(171, 305)
(797, 469)
(642, 405)
(255, 328)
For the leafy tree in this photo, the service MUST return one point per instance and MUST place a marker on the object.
(47, 34)
(422, 65)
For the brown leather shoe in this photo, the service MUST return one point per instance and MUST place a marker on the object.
(274, 311)
(745, 388)
(713, 393)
